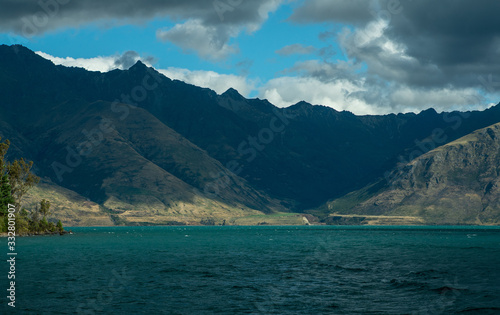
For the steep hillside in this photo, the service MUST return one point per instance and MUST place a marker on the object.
(69, 207)
(303, 155)
(140, 173)
(458, 183)
(127, 165)
(148, 149)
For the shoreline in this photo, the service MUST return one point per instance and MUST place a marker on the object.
(6, 234)
(290, 225)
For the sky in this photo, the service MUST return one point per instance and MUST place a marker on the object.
(367, 57)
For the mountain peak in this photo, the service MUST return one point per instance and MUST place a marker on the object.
(429, 111)
(233, 93)
(16, 49)
(138, 65)
(494, 107)
(303, 104)
(17, 56)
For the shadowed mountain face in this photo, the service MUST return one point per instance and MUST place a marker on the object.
(147, 135)
(116, 155)
(129, 167)
(457, 183)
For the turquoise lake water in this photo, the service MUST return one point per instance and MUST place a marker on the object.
(258, 270)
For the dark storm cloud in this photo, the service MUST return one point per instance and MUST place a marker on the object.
(448, 42)
(449, 32)
(202, 26)
(340, 11)
(462, 38)
(33, 17)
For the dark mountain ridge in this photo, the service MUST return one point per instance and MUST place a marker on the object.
(302, 155)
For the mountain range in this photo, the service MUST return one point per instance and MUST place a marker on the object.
(135, 147)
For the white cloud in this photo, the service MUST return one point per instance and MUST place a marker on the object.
(338, 85)
(207, 79)
(286, 91)
(210, 79)
(265, 8)
(388, 59)
(383, 57)
(441, 99)
(101, 63)
(210, 42)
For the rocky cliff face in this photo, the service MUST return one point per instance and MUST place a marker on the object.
(458, 183)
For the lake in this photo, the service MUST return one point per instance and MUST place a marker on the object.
(258, 270)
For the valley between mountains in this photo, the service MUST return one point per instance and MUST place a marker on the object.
(133, 147)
